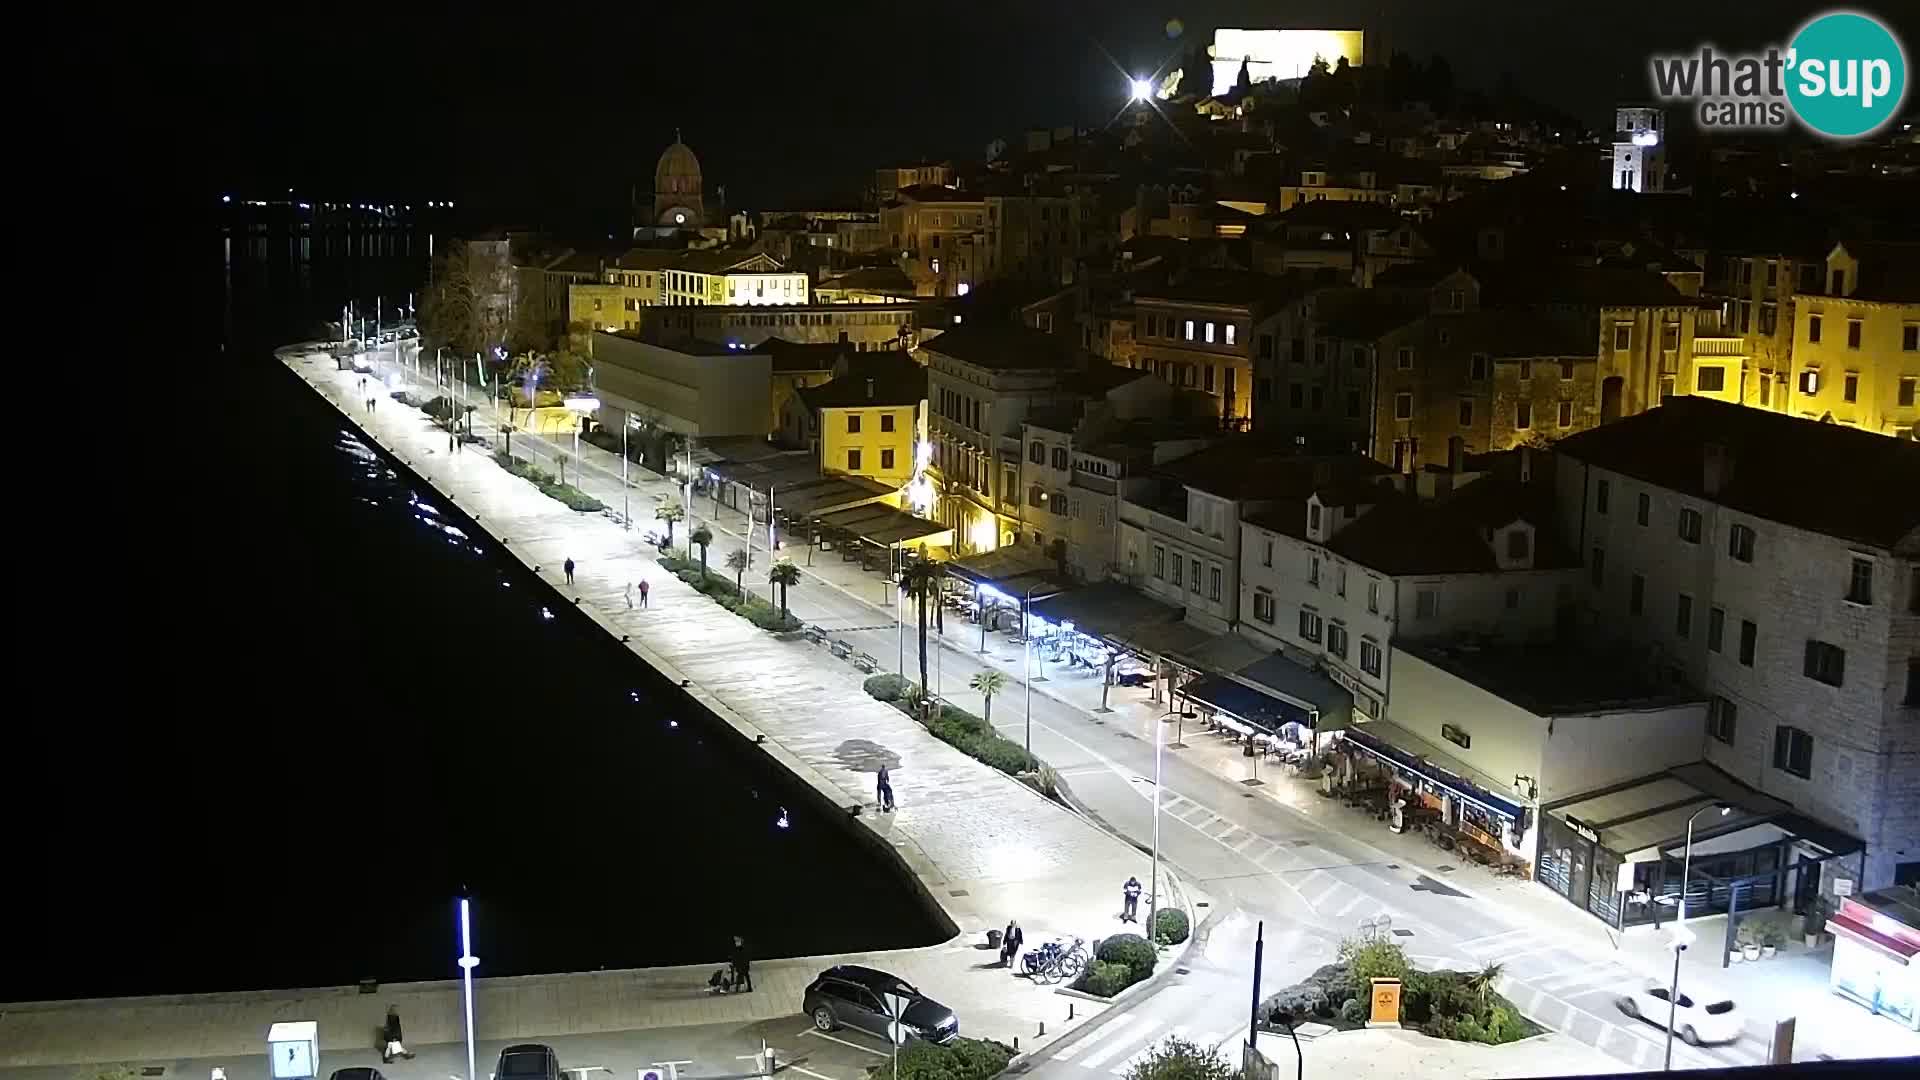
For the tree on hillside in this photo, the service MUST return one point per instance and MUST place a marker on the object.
(463, 307)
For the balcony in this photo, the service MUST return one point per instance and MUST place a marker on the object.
(1719, 346)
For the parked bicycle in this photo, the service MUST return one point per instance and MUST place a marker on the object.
(1053, 961)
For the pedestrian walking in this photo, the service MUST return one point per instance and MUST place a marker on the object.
(742, 966)
(1130, 900)
(629, 596)
(568, 567)
(883, 791)
(391, 1037)
(1010, 941)
(643, 592)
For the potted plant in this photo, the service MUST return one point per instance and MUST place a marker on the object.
(1748, 938)
(1814, 929)
(1771, 938)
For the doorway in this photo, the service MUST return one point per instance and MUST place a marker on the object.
(1612, 392)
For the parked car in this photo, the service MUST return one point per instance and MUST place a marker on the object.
(358, 1072)
(528, 1061)
(1696, 1024)
(853, 996)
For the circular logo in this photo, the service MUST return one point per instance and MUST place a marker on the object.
(1847, 75)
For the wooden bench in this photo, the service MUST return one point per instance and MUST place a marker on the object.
(865, 662)
(841, 648)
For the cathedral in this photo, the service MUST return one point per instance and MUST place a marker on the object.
(678, 202)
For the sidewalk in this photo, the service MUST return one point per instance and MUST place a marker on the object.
(982, 847)
(1794, 984)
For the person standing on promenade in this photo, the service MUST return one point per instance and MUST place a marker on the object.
(742, 966)
(568, 567)
(1010, 942)
(643, 592)
(629, 596)
(1130, 900)
(883, 791)
(391, 1037)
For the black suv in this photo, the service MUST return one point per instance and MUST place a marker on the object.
(857, 997)
(528, 1061)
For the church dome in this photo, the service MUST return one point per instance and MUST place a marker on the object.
(678, 172)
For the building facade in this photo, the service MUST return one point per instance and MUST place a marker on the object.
(1856, 343)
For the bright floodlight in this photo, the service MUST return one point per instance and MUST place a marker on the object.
(1142, 89)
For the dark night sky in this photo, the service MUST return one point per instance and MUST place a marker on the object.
(571, 103)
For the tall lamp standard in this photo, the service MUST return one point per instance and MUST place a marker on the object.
(581, 406)
(1026, 667)
(1153, 894)
(1681, 936)
(468, 962)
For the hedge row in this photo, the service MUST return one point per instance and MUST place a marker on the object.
(1118, 962)
(573, 497)
(722, 591)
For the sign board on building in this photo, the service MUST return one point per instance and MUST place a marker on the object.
(1843, 886)
(1582, 829)
(1623, 879)
(1384, 1004)
(293, 1050)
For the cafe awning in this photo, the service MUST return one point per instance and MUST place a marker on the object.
(1010, 574)
(1644, 818)
(1116, 614)
(1406, 752)
(1262, 711)
(1281, 677)
(884, 526)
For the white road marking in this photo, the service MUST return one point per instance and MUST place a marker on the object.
(835, 1038)
(804, 1069)
(1140, 1055)
(1113, 1045)
(1471, 942)
(1349, 906)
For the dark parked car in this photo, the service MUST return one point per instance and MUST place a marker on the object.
(528, 1061)
(856, 997)
(360, 1072)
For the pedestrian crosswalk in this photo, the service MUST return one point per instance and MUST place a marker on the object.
(1121, 1045)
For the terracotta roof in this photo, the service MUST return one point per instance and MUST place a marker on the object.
(1245, 472)
(793, 356)
(1783, 468)
(896, 381)
(1889, 272)
(1003, 347)
(1403, 535)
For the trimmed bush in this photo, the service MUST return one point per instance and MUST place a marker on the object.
(976, 738)
(962, 1059)
(1368, 959)
(1131, 950)
(572, 497)
(1178, 1059)
(1353, 1012)
(1170, 926)
(886, 686)
(1105, 979)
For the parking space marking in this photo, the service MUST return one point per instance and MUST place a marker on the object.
(835, 1038)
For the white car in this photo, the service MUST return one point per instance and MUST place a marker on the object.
(1695, 1023)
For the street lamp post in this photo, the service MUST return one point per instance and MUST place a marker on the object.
(1026, 667)
(468, 962)
(1153, 894)
(1680, 933)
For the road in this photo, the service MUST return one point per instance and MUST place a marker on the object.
(1256, 857)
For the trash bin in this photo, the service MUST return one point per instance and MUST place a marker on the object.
(993, 939)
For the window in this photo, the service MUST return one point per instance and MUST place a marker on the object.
(1850, 387)
(1810, 381)
(1037, 452)
(1523, 415)
(1826, 663)
(1853, 333)
(1036, 497)
(1526, 369)
(1749, 639)
(1370, 657)
(1478, 365)
(1860, 581)
(886, 461)
(1403, 358)
(1710, 380)
(853, 423)
(1213, 583)
(1309, 625)
(1466, 412)
(1513, 599)
(1566, 414)
(1906, 393)
(1267, 559)
(1721, 715)
(853, 461)
(1716, 627)
(1373, 597)
(1313, 525)
(1793, 751)
(1670, 332)
(1263, 607)
(1194, 582)
(1517, 544)
(1910, 338)
(1189, 334)
(1690, 526)
(1598, 566)
(1296, 395)
(1160, 562)
(1644, 511)
(1683, 617)
(1913, 681)
(1740, 543)
(1207, 331)
(1060, 458)
(1337, 640)
(1426, 603)
(1637, 595)
(886, 421)
(1179, 570)
(1813, 329)
(1229, 328)
(1600, 493)
(1622, 337)
(1403, 406)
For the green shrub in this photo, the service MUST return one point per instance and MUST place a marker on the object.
(1353, 1011)
(1105, 978)
(766, 616)
(962, 1059)
(1506, 1025)
(1178, 1059)
(1170, 926)
(886, 686)
(572, 497)
(973, 737)
(1131, 950)
(1369, 959)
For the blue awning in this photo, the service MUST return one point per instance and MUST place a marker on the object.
(1442, 778)
(1243, 702)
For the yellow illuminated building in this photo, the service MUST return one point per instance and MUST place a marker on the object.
(1856, 343)
(870, 420)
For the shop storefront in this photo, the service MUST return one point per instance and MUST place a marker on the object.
(1876, 953)
(1617, 853)
(1273, 703)
(1427, 789)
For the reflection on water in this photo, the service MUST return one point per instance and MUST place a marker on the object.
(350, 706)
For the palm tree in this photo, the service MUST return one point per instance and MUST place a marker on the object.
(670, 513)
(920, 580)
(784, 574)
(1482, 981)
(737, 562)
(988, 683)
(701, 536)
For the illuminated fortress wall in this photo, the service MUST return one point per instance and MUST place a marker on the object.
(1279, 54)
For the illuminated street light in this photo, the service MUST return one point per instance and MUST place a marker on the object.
(468, 962)
(582, 406)
(1142, 89)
